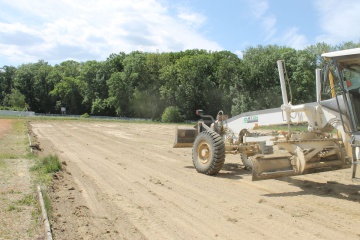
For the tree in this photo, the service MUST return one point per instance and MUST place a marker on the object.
(24, 81)
(146, 100)
(7, 75)
(69, 68)
(186, 84)
(260, 87)
(90, 83)
(201, 79)
(32, 81)
(227, 75)
(123, 84)
(42, 86)
(302, 78)
(102, 107)
(15, 100)
(115, 62)
(171, 114)
(67, 93)
(120, 91)
(142, 84)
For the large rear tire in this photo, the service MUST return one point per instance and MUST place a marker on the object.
(208, 153)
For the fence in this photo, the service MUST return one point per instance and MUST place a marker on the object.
(16, 113)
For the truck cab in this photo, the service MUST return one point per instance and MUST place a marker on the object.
(346, 68)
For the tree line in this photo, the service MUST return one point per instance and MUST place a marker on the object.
(144, 85)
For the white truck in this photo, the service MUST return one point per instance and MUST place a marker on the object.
(331, 141)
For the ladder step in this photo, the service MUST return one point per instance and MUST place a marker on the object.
(356, 162)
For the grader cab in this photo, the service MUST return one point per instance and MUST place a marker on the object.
(331, 141)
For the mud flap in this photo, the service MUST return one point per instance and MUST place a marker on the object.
(274, 167)
(185, 137)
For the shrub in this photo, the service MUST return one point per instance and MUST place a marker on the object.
(48, 164)
(171, 114)
(15, 99)
(51, 164)
(85, 115)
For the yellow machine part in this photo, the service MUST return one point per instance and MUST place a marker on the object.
(185, 137)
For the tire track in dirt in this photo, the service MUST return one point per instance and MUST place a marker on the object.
(334, 208)
(135, 173)
(137, 181)
(203, 193)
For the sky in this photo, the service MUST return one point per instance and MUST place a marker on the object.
(82, 30)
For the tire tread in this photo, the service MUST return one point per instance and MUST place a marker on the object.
(218, 159)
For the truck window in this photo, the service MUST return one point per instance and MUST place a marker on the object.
(351, 76)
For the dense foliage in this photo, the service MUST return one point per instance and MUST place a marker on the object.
(171, 114)
(143, 85)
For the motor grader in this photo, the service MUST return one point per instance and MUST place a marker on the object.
(331, 141)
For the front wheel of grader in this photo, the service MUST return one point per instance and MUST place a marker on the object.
(208, 153)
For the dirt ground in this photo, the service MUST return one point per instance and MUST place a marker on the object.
(5, 126)
(125, 181)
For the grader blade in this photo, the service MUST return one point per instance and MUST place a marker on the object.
(274, 167)
(185, 137)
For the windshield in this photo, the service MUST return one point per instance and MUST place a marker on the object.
(351, 75)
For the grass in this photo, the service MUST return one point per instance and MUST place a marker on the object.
(85, 119)
(48, 164)
(27, 200)
(12, 191)
(15, 208)
(47, 203)
(14, 145)
(44, 169)
(2, 163)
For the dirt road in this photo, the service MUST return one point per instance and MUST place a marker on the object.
(125, 181)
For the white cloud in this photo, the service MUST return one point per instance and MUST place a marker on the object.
(191, 18)
(239, 53)
(288, 36)
(269, 24)
(293, 39)
(258, 7)
(94, 29)
(15, 54)
(339, 20)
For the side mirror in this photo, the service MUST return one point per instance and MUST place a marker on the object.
(199, 112)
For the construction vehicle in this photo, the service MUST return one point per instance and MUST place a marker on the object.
(276, 154)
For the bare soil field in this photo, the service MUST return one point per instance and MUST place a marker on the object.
(125, 181)
(5, 126)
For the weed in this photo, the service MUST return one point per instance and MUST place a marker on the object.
(48, 164)
(85, 115)
(2, 162)
(47, 202)
(14, 208)
(52, 164)
(11, 208)
(27, 200)
(12, 191)
(14, 145)
(8, 156)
